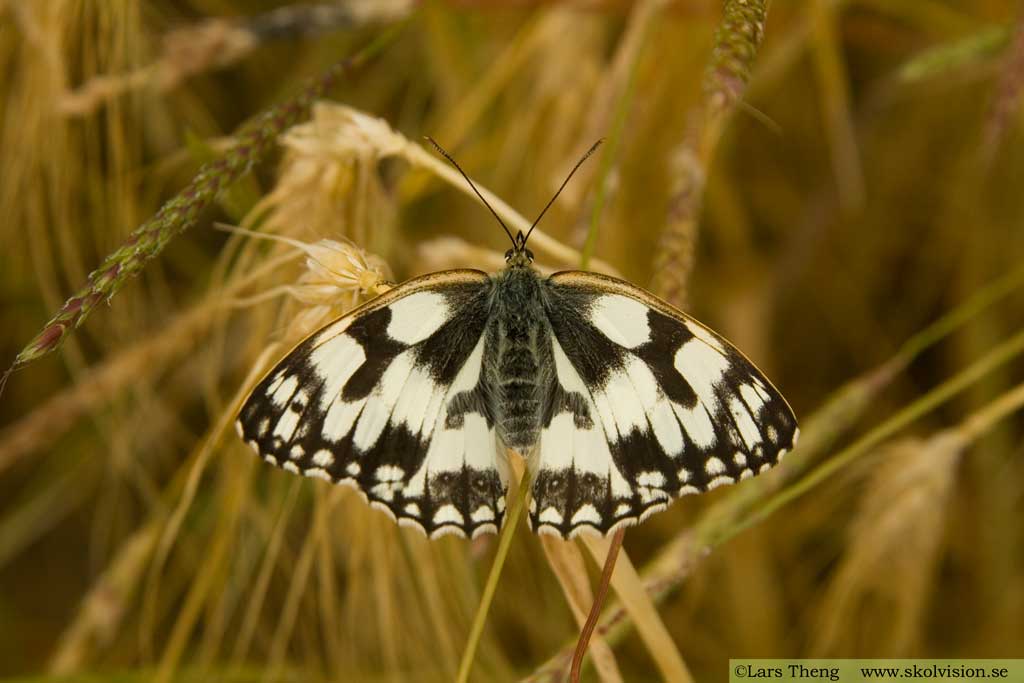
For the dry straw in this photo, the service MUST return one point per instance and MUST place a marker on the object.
(218, 43)
(207, 564)
(892, 558)
(252, 142)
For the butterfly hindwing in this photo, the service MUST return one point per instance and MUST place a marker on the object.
(647, 405)
(390, 399)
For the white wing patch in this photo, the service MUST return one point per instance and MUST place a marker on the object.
(334, 361)
(285, 388)
(621, 319)
(703, 366)
(382, 401)
(696, 421)
(657, 410)
(340, 418)
(417, 316)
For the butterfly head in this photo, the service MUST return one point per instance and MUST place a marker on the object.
(519, 255)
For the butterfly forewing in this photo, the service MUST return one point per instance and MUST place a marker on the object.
(647, 405)
(390, 399)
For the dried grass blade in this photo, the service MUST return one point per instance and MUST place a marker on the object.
(253, 141)
(896, 536)
(40, 512)
(595, 609)
(638, 604)
(566, 561)
(942, 60)
(623, 80)
(211, 573)
(258, 592)
(508, 531)
(297, 583)
(217, 43)
(104, 604)
(835, 94)
(1007, 102)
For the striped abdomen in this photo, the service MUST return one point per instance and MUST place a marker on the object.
(516, 334)
(517, 377)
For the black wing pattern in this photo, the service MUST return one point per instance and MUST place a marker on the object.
(647, 405)
(390, 399)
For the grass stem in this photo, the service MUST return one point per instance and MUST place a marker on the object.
(504, 543)
(595, 610)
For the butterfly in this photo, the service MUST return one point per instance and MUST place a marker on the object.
(620, 402)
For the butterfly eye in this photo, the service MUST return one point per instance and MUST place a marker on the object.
(529, 254)
(508, 254)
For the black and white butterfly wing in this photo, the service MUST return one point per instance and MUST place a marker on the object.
(389, 398)
(648, 405)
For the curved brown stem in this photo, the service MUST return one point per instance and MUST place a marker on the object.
(595, 609)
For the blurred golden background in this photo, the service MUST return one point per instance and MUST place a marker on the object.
(834, 185)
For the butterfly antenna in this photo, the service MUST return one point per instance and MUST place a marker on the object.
(448, 156)
(579, 163)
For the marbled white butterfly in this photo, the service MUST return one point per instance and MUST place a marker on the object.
(620, 402)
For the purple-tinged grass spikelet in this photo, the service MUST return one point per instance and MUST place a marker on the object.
(736, 44)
